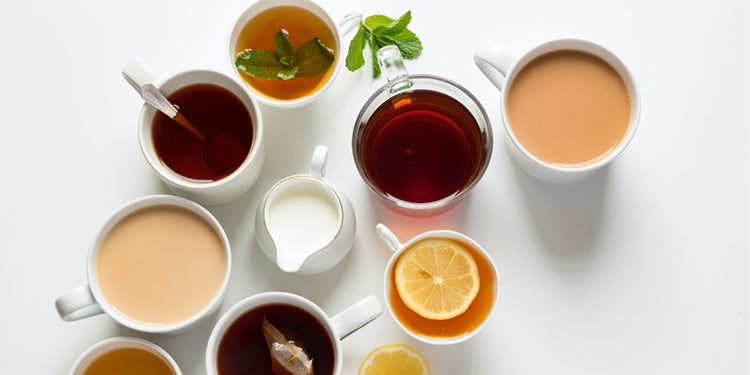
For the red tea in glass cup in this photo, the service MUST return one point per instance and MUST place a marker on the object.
(421, 142)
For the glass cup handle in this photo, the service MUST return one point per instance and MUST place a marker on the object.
(350, 21)
(494, 62)
(77, 304)
(319, 161)
(392, 65)
(356, 316)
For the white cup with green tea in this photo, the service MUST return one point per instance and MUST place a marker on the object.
(288, 52)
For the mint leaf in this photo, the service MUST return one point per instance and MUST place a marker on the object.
(378, 31)
(394, 27)
(313, 58)
(374, 47)
(260, 64)
(287, 74)
(284, 48)
(377, 20)
(310, 59)
(355, 59)
(410, 47)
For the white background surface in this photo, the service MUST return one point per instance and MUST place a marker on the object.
(642, 268)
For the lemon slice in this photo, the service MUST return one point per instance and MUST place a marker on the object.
(437, 278)
(397, 359)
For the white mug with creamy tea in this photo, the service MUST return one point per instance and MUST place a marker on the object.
(159, 264)
(569, 106)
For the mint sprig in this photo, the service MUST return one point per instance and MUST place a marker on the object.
(378, 31)
(309, 60)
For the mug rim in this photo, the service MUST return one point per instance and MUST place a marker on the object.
(585, 46)
(193, 77)
(273, 190)
(130, 208)
(263, 299)
(261, 5)
(139, 343)
(449, 234)
(443, 204)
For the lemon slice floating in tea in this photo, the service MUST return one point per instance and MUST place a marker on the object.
(437, 278)
(397, 359)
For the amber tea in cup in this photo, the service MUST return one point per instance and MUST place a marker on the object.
(220, 116)
(300, 25)
(421, 142)
(128, 361)
(421, 146)
(459, 326)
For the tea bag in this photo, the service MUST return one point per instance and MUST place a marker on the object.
(288, 354)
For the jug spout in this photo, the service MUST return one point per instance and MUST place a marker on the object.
(291, 260)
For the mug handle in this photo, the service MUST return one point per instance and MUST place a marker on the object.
(388, 238)
(350, 21)
(494, 62)
(392, 65)
(77, 304)
(319, 161)
(356, 316)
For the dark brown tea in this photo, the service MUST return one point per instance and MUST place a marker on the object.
(224, 121)
(421, 146)
(243, 348)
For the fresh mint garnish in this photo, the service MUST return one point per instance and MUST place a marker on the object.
(309, 60)
(378, 31)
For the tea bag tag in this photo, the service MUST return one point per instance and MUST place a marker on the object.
(287, 356)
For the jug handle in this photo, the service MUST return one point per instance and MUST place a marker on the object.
(494, 62)
(318, 162)
(77, 303)
(356, 316)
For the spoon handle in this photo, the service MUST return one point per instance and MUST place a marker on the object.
(141, 79)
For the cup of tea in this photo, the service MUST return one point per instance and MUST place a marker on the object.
(159, 264)
(302, 21)
(303, 223)
(441, 287)
(130, 355)
(421, 142)
(257, 333)
(223, 157)
(569, 106)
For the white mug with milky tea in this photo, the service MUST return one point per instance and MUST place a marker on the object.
(159, 264)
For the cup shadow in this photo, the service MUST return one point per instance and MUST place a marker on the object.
(567, 217)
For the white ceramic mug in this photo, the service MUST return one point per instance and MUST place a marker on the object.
(337, 327)
(312, 259)
(208, 193)
(105, 346)
(87, 300)
(501, 69)
(339, 28)
(398, 248)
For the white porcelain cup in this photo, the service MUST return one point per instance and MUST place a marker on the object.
(501, 69)
(465, 325)
(315, 233)
(338, 28)
(208, 193)
(105, 346)
(87, 300)
(336, 327)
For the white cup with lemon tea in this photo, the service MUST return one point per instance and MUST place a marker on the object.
(470, 282)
